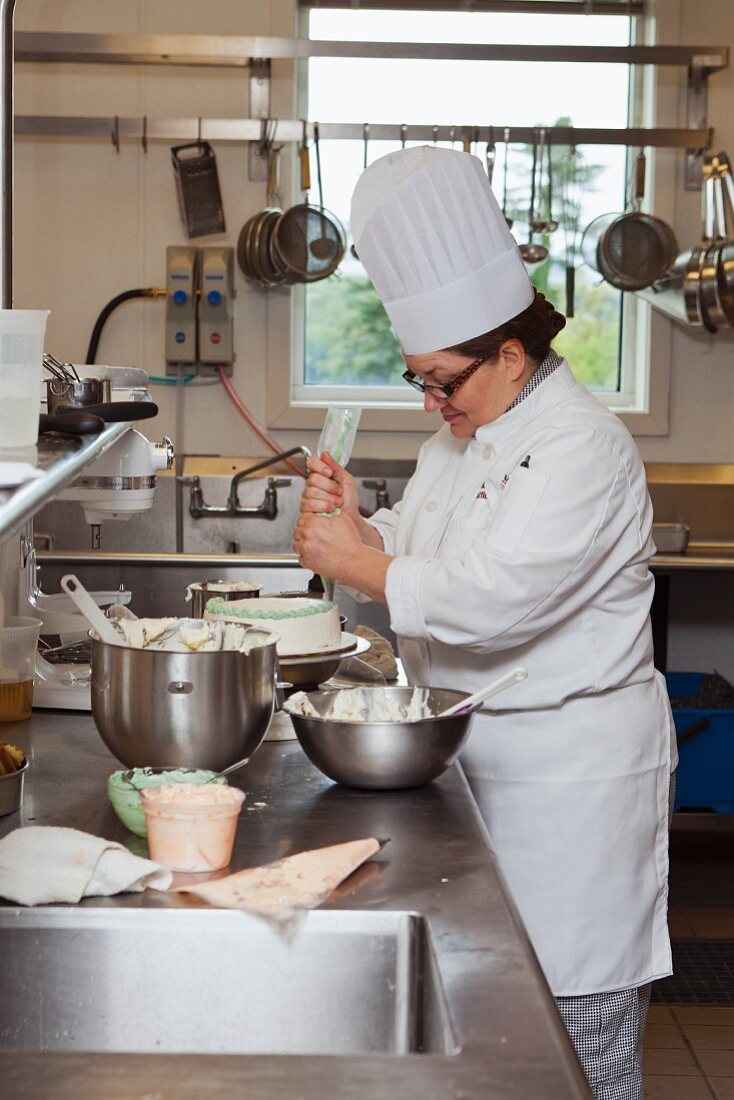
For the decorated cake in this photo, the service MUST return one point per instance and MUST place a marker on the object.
(303, 626)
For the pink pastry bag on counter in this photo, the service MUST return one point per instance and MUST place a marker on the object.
(279, 890)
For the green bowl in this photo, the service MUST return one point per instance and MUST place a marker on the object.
(124, 788)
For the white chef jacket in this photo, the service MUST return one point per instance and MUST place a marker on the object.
(529, 545)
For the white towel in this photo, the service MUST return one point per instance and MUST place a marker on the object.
(42, 863)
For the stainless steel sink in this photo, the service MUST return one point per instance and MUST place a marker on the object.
(114, 979)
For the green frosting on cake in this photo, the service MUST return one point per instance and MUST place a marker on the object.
(218, 606)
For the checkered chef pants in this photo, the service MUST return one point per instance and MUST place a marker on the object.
(608, 1029)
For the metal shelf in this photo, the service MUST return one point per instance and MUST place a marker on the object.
(238, 51)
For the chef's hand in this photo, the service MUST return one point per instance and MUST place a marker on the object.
(327, 544)
(329, 487)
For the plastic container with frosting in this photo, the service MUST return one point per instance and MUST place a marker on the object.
(191, 827)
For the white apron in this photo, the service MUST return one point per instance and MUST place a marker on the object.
(501, 561)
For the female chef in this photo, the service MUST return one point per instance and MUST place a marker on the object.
(523, 538)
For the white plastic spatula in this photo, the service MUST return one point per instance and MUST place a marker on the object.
(89, 609)
(510, 678)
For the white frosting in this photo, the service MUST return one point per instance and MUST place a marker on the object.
(188, 635)
(303, 626)
(359, 705)
(193, 794)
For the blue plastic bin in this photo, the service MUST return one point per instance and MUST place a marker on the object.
(705, 779)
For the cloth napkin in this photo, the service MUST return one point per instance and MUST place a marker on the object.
(44, 863)
(279, 890)
(13, 474)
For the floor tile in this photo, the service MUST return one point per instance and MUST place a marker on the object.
(665, 1037)
(674, 1062)
(714, 1063)
(723, 1087)
(680, 928)
(693, 1014)
(659, 1014)
(677, 1088)
(712, 927)
(710, 1036)
(701, 911)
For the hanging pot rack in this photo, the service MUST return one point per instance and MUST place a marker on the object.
(146, 129)
(256, 53)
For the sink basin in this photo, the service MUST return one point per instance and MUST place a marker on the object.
(127, 980)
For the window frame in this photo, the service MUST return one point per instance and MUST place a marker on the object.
(642, 401)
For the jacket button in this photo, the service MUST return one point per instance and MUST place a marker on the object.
(487, 452)
(432, 506)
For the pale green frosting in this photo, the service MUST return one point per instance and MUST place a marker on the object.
(218, 606)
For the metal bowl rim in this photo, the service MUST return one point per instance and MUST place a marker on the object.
(18, 771)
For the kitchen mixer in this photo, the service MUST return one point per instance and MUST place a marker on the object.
(118, 484)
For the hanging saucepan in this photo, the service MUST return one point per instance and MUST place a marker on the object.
(308, 242)
(688, 291)
(725, 274)
(252, 255)
(633, 249)
(710, 305)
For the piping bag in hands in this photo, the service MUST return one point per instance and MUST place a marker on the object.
(337, 437)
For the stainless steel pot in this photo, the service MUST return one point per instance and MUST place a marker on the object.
(87, 391)
(193, 710)
(201, 591)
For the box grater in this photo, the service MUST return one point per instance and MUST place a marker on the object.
(197, 186)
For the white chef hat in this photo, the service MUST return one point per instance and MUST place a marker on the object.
(436, 246)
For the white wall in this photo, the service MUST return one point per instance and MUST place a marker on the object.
(90, 223)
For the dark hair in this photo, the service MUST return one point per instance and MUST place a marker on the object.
(535, 328)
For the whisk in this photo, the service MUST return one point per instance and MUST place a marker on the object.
(64, 372)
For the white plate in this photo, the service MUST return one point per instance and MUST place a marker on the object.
(351, 646)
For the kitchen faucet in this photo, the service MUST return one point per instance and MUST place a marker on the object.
(268, 509)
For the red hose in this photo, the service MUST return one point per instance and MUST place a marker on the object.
(245, 413)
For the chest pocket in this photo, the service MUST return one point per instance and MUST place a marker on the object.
(518, 505)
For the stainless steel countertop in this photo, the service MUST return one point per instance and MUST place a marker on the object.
(438, 863)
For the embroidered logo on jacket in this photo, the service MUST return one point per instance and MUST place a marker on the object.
(482, 494)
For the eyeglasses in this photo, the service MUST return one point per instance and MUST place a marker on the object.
(449, 388)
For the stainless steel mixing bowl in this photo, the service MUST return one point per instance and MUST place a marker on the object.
(378, 756)
(193, 710)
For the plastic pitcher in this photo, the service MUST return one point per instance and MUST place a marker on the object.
(18, 643)
(21, 352)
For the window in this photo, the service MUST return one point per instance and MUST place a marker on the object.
(341, 343)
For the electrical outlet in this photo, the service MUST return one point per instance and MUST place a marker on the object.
(182, 275)
(216, 327)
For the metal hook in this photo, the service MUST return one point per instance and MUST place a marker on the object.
(144, 138)
(304, 133)
(434, 131)
(115, 135)
(403, 132)
(365, 139)
(263, 145)
(452, 133)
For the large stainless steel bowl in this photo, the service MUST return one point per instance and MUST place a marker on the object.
(378, 756)
(193, 710)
